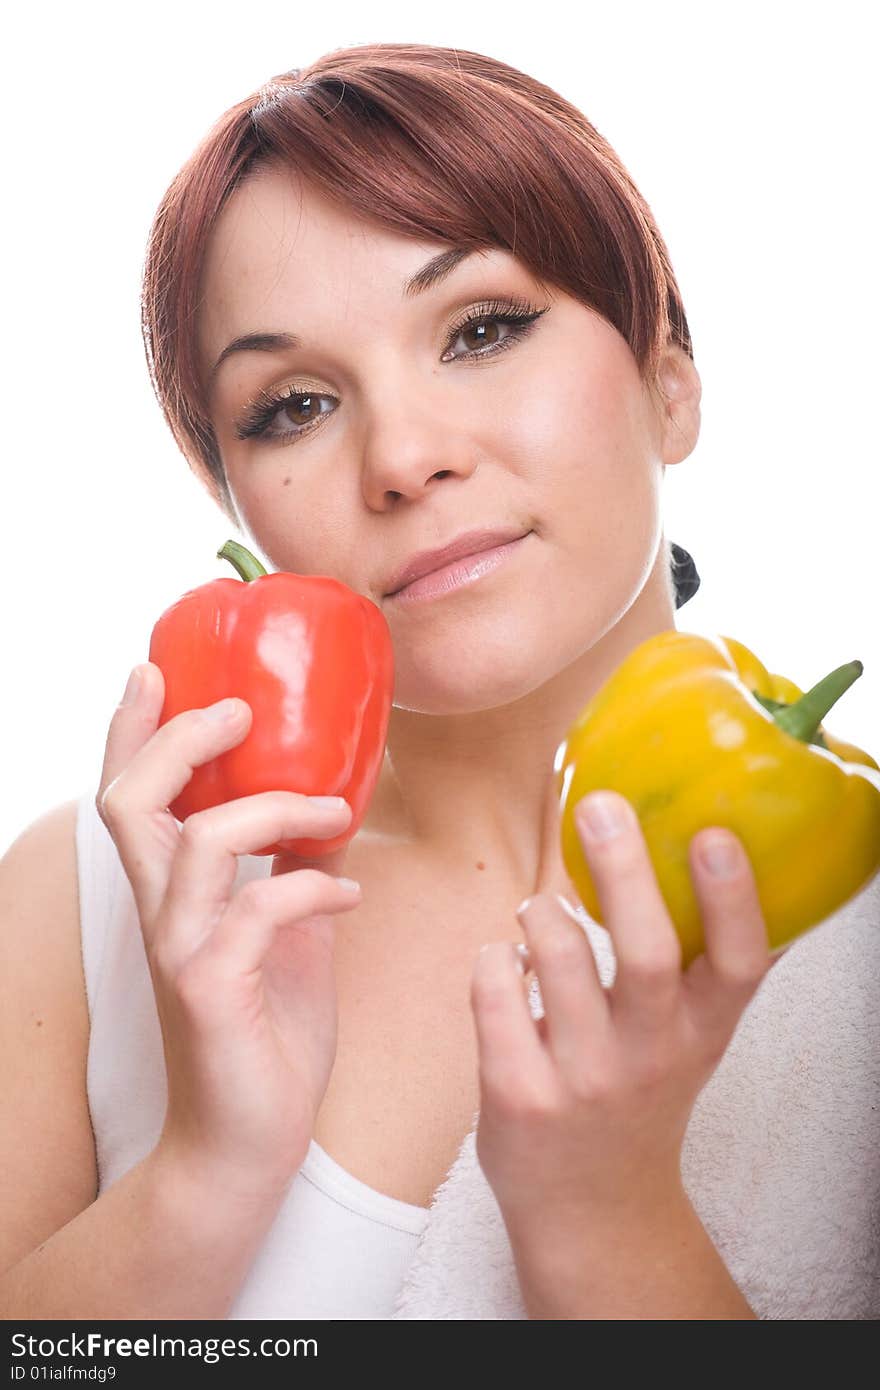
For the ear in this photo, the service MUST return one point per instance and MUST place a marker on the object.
(677, 400)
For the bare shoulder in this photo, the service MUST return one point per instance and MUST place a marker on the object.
(47, 1152)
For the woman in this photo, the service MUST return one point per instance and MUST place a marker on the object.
(406, 294)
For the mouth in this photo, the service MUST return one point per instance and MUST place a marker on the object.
(460, 573)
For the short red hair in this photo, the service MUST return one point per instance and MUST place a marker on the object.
(433, 143)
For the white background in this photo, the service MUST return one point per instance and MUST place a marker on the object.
(751, 133)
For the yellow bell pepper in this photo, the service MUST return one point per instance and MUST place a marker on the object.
(695, 732)
(769, 688)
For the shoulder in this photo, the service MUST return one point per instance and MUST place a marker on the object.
(39, 919)
(44, 1035)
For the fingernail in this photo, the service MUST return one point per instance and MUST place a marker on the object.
(132, 688)
(720, 856)
(329, 803)
(523, 959)
(567, 908)
(524, 905)
(223, 709)
(350, 884)
(602, 816)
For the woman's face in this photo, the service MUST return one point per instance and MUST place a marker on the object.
(410, 429)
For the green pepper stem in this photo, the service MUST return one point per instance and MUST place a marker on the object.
(247, 564)
(802, 719)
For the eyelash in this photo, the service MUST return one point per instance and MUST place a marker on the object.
(518, 315)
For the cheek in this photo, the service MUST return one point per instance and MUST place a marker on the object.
(256, 497)
(596, 498)
(573, 431)
(280, 516)
(598, 389)
(601, 465)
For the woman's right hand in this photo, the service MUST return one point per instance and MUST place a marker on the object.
(244, 982)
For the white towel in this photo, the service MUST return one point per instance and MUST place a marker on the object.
(781, 1159)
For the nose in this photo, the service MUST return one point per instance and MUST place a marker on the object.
(408, 448)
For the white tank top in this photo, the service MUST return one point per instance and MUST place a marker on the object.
(337, 1248)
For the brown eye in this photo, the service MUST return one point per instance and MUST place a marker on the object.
(483, 332)
(301, 410)
(302, 405)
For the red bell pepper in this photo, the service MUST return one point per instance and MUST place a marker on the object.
(315, 662)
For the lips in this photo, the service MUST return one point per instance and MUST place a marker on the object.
(468, 543)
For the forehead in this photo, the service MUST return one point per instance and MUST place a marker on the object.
(276, 220)
(283, 256)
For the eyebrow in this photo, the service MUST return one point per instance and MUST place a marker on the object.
(432, 273)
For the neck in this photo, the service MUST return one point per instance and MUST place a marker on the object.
(479, 786)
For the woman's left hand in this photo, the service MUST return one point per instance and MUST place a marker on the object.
(584, 1112)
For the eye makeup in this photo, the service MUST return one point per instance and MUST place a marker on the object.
(258, 419)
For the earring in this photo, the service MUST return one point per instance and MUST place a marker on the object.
(684, 575)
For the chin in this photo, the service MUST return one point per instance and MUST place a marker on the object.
(470, 682)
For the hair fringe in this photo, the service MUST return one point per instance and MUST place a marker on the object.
(429, 142)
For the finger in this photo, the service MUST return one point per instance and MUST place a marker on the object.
(158, 762)
(524, 958)
(720, 982)
(203, 871)
(245, 932)
(133, 723)
(647, 985)
(145, 770)
(576, 1009)
(511, 1058)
